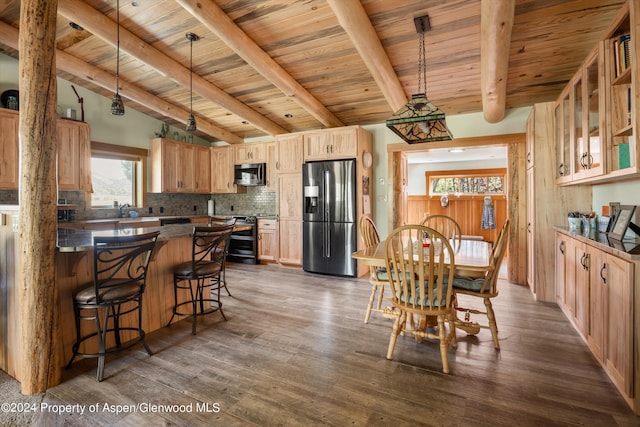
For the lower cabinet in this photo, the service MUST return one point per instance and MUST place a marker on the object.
(595, 290)
(268, 240)
(290, 242)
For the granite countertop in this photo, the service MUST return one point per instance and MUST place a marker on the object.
(71, 240)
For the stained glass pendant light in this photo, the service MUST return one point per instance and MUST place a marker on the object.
(117, 106)
(419, 120)
(191, 120)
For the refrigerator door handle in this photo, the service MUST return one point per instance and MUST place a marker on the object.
(326, 195)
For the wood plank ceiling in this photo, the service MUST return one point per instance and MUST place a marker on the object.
(301, 69)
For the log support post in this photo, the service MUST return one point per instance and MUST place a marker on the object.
(38, 295)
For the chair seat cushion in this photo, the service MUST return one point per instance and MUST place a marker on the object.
(468, 283)
(185, 269)
(382, 274)
(114, 291)
(433, 303)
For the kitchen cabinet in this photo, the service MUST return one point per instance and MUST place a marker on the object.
(267, 240)
(9, 153)
(290, 218)
(272, 170)
(202, 171)
(74, 156)
(596, 114)
(178, 167)
(250, 153)
(600, 301)
(327, 144)
(289, 153)
(547, 204)
(289, 159)
(222, 170)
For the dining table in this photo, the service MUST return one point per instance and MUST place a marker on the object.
(472, 259)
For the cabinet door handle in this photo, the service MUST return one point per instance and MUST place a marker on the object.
(529, 157)
(584, 261)
(562, 247)
(561, 169)
(604, 267)
(529, 227)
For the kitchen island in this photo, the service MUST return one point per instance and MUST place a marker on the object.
(74, 268)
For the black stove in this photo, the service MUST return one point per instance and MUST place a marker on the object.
(246, 219)
(244, 243)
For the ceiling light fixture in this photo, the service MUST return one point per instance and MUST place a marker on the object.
(191, 121)
(117, 106)
(419, 120)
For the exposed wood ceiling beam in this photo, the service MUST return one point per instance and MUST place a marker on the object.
(496, 22)
(355, 21)
(103, 27)
(220, 24)
(80, 69)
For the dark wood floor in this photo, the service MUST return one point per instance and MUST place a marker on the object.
(295, 351)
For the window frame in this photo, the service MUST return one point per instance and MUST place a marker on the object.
(466, 173)
(121, 152)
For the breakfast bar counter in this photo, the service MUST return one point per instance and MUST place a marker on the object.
(74, 268)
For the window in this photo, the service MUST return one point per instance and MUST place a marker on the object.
(117, 175)
(467, 182)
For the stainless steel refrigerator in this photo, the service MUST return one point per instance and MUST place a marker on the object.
(329, 217)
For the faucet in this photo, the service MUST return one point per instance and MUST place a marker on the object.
(121, 209)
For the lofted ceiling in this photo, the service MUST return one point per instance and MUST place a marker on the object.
(264, 67)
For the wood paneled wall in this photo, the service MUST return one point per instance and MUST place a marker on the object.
(466, 210)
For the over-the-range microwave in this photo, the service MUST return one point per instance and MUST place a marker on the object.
(250, 174)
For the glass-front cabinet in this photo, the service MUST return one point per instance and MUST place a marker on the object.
(589, 103)
(563, 137)
(621, 99)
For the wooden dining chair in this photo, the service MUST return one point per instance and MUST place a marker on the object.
(484, 286)
(447, 226)
(378, 276)
(419, 276)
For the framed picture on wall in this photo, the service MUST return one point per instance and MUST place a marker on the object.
(622, 221)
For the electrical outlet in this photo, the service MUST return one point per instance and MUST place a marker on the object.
(150, 209)
(161, 209)
(231, 208)
(195, 208)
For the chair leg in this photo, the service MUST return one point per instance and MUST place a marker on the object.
(492, 323)
(380, 296)
(76, 345)
(141, 333)
(175, 300)
(102, 338)
(397, 328)
(444, 344)
(370, 304)
(194, 305)
(224, 278)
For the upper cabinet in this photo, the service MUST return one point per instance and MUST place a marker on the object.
(74, 156)
(341, 143)
(595, 116)
(222, 170)
(74, 153)
(178, 167)
(9, 149)
(250, 153)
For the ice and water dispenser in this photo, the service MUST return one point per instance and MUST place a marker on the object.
(311, 193)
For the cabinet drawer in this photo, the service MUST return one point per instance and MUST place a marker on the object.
(267, 224)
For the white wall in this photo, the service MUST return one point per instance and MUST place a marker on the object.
(134, 129)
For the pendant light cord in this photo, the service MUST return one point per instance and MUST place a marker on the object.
(117, 46)
(191, 75)
(422, 65)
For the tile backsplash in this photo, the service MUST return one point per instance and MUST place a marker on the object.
(255, 201)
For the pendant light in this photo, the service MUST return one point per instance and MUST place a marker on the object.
(419, 120)
(191, 121)
(117, 106)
